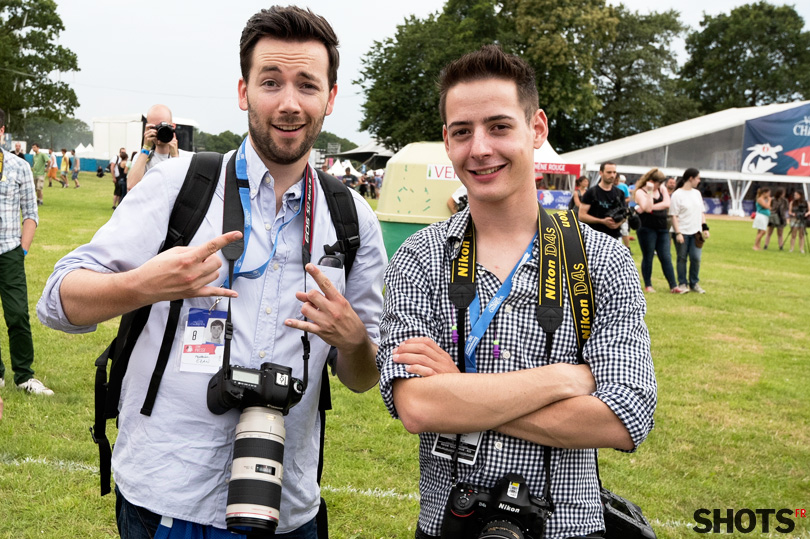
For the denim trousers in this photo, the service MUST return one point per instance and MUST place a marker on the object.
(689, 250)
(652, 241)
(14, 295)
(138, 523)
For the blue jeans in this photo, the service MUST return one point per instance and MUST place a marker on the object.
(689, 250)
(651, 241)
(138, 523)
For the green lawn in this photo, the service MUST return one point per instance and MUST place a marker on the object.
(732, 426)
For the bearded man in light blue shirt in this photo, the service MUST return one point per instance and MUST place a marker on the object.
(172, 467)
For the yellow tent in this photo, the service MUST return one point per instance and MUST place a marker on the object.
(420, 178)
(417, 183)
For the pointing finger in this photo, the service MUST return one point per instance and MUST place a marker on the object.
(322, 281)
(213, 246)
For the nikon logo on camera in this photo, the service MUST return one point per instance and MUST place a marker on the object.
(746, 520)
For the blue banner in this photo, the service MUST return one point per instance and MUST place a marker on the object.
(778, 143)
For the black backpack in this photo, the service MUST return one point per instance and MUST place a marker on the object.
(187, 214)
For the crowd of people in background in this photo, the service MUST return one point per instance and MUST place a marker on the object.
(775, 212)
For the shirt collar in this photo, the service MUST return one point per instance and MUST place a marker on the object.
(257, 172)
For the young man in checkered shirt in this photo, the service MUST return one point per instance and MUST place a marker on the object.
(520, 397)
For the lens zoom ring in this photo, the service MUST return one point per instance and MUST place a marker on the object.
(258, 448)
(253, 492)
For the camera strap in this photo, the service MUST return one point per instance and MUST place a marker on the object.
(561, 248)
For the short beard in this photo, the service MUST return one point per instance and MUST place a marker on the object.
(266, 147)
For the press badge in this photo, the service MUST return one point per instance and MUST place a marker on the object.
(468, 446)
(203, 341)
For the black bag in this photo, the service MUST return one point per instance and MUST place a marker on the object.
(623, 518)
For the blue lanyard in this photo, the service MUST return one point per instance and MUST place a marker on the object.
(244, 197)
(480, 323)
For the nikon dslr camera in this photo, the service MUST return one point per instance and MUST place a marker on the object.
(507, 510)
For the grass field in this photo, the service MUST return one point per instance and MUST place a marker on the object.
(732, 425)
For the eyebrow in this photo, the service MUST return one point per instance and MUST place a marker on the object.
(275, 69)
(487, 120)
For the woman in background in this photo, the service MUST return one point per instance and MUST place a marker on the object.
(652, 204)
(778, 219)
(797, 210)
(580, 187)
(763, 214)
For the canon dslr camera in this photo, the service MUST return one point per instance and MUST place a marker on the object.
(505, 511)
(165, 132)
(264, 396)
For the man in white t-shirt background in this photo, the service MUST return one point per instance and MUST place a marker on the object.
(158, 146)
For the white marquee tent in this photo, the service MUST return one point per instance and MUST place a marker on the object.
(712, 143)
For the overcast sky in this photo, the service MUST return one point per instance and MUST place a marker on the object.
(185, 54)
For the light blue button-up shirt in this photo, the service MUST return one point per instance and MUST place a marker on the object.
(176, 461)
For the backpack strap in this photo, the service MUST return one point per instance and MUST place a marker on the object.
(187, 214)
(344, 217)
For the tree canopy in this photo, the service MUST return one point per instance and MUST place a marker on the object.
(561, 39)
(48, 133)
(28, 55)
(635, 77)
(755, 55)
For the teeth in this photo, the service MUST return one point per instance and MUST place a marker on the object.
(288, 127)
(487, 171)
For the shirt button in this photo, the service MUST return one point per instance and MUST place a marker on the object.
(267, 179)
(456, 245)
(268, 310)
(275, 267)
(295, 208)
(498, 445)
(506, 354)
(268, 226)
(508, 308)
(253, 192)
(262, 354)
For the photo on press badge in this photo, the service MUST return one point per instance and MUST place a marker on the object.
(203, 341)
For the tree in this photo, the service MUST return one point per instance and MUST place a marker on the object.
(755, 55)
(635, 77)
(325, 138)
(52, 134)
(557, 37)
(28, 54)
(400, 75)
(222, 143)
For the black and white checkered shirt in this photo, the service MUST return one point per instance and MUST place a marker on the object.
(618, 351)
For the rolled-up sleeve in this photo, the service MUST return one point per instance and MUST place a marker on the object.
(132, 236)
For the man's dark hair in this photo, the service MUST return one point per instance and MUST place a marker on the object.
(490, 62)
(2, 118)
(606, 163)
(688, 174)
(292, 24)
(217, 323)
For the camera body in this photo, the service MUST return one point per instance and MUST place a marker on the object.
(506, 510)
(619, 213)
(165, 132)
(271, 386)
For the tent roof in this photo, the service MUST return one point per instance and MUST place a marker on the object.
(670, 134)
(364, 152)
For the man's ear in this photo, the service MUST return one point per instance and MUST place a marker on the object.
(242, 91)
(540, 126)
